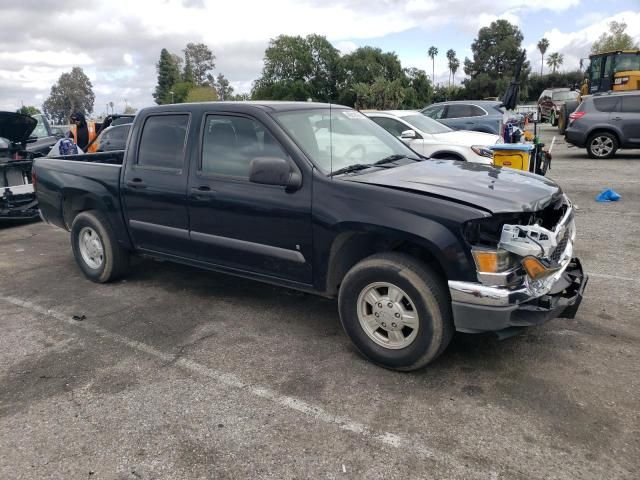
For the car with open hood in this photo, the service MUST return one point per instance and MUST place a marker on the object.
(17, 197)
(319, 198)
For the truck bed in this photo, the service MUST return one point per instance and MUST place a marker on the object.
(89, 179)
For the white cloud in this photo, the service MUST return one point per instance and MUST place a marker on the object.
(118, 42)
(577, 45)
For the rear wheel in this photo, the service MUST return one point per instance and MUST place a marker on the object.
(396, 311)
(96, 248)
(602, 145)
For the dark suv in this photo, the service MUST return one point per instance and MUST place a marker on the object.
(603, 123)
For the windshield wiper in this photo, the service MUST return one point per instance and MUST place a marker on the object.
(393, 158)
(357, 166)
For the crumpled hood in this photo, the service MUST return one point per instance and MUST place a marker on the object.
(16, 127)
(496, 189)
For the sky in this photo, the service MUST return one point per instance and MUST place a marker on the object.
(118, 42)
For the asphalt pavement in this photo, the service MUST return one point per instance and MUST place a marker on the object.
(177, 373)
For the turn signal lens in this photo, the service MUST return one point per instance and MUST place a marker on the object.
(486, 261)
(492, 261)
(534, 268)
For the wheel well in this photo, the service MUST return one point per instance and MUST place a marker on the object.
(354, 247)
(448, 155)
(603, 130)
(74, 203)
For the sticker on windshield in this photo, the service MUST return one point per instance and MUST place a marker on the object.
(352, 114)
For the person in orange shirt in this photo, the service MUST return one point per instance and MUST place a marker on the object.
(83, 132)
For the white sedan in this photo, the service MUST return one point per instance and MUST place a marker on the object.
(435, 140)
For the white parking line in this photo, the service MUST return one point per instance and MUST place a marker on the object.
(233, 381)
(614, 277)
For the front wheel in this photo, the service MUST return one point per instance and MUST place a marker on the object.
(96, 248)
(396, 311)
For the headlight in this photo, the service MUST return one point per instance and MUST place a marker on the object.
(482, 151)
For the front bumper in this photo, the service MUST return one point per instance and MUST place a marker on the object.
(478, 308)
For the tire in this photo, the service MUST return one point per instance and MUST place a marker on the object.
(602, 145)
(96, 249)
(406, 287)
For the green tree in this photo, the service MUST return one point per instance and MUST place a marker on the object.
(496, 51)
(616, 39)
(73, 92)
(181, 91)
(419, 89)
(223, 88)
(129, 110)
(298, 68)
(554, 61)
(433, 51)
(382, 94)
(367, 65)
(451, 59)
(454, 64)
(543, 46)
(202, 94)
(28, 110)
(168, 74)
(201, 60)
(187, 73)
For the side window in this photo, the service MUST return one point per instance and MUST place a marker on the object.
(458, 110)
(631, 104)
(390, 125)
(230, 143)
(595, 70)
(434, 112)
(476, 111)
(606, 104)
(162, 143)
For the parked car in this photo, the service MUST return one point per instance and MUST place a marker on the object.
(604, 123)
(113, 138)
(17, 198)
(412, 248)
(551, 100)
(478, 115)
(433, 139)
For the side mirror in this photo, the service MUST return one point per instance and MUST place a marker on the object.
(274, 171)
(409, 134)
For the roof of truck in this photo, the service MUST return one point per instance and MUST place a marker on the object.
(266, 105)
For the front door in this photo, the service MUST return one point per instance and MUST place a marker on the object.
(235, 223)
(155, 185)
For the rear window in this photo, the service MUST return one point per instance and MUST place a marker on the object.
(163, 141)
(605, 104)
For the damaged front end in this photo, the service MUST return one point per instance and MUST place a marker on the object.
(525, 269)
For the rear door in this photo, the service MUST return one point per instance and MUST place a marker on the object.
(628, 119)
(263, 229)
(154, 186)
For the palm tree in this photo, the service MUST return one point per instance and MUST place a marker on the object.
(451, 56)
(453, 66)
(555, 60)
(543, 45)
(433, 51)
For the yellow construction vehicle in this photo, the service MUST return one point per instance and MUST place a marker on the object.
(617, 70)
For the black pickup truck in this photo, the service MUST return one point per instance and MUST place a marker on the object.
(321, 199)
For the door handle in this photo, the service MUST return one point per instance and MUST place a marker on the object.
(136, 183)
(616, 118)
(203, 191)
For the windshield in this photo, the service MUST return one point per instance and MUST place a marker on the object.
(353, 138)
(564, 96)
(426, 124)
